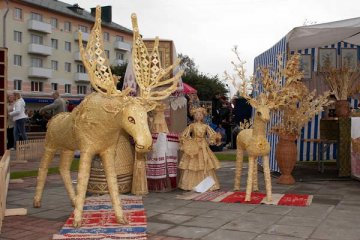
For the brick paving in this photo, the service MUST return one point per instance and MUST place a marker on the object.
(333, 215)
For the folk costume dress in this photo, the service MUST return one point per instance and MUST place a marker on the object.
(198, 161)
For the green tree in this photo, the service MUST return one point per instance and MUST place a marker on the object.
(187, 63)
(119, 71)
(207, 86)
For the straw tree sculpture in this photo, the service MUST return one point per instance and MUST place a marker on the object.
(254, 140)
(300, 108)
(94, 126)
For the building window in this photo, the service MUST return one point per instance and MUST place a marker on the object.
(83, 29)
(54, 65)
(107, 53)
(54, 22)
(80, 68)
(68, 46)
(119, 56)
(54, 43)
(67, 26)
(36, 39)
(17, 36)
(17, 60)
(81, 89)
(119, 38)
(17, 85)
(67, 67)
(106, 36)
(54, 86)
(18, 14)
(36, 86)
(36, 16)
(67, 88)
(36, 62)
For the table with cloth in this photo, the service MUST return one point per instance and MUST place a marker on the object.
(162, 162)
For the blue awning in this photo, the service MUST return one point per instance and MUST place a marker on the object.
(50, 100)
(39, 100)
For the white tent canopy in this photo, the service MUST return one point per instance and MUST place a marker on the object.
(324, 34)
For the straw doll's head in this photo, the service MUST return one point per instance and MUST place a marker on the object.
(198, 113)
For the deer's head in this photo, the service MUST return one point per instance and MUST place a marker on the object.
(135, 122)
(130, 112)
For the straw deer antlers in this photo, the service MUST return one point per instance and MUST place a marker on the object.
(148, 71)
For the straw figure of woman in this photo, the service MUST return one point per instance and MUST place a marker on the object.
(198, 161)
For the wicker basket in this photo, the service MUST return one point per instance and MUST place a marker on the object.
(124, 164)
(97, 182)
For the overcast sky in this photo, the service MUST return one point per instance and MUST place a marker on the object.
(206, 30)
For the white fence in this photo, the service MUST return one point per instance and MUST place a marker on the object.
(29, 149)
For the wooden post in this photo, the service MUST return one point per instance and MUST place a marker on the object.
(4, 183)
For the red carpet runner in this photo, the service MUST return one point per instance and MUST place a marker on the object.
(300, 200)
(99, 220)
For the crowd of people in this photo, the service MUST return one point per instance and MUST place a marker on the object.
(19, 116)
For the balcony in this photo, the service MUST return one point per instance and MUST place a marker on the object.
(85, 36)
(40, 72)
(119, 62)
(81, 77)
(77, 56)
(39, 26)
(40, 49)
(122, 46)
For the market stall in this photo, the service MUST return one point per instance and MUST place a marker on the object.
(337, 41)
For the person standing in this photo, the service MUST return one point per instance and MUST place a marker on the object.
(10, 122)
(58, 106)
(19, 117)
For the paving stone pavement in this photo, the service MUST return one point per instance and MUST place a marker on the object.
(333, 215)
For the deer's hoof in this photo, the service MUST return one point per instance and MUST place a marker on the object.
(77, 218)
(77, 223)
(36, 203)
(122, 219)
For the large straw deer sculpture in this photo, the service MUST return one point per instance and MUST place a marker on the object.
(94, 126)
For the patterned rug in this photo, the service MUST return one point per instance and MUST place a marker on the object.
(99, 220)
(300, 200)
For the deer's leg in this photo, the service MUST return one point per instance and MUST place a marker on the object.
(107, 158)
(239, 164)
(66, 159)
(267, 178)
(249, 183)
(83, 179)
(41, 179)
(255, 186)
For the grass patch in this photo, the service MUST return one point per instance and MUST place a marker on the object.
(228, 157)
(34, 173)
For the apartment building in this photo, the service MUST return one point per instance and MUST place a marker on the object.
(43, 47)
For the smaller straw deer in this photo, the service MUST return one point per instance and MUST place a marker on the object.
(254, 140)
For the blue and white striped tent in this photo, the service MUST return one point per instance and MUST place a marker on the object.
(308, 40)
